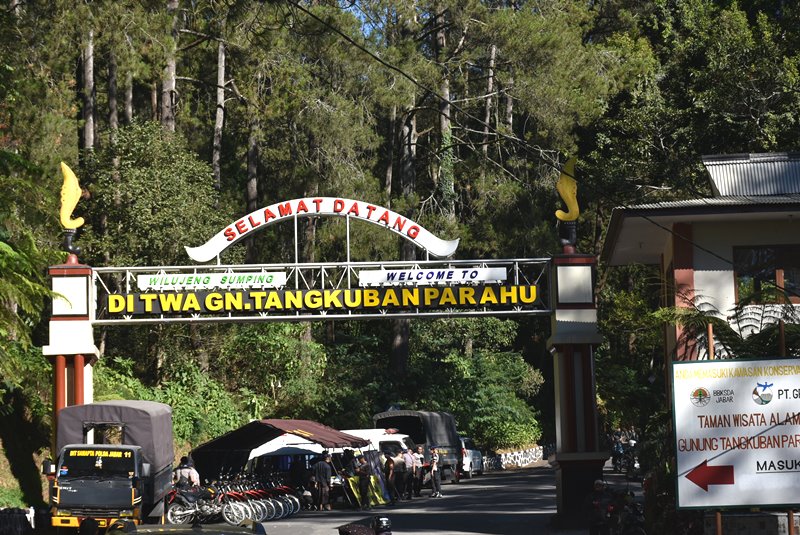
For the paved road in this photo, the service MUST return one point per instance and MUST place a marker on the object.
(503, 503)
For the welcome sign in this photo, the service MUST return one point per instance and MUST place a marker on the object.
(322, 301)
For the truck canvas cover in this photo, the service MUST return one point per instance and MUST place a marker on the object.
(146, 423)
(424, 427)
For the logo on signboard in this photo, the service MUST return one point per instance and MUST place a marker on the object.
(762, 393)
(700, 397)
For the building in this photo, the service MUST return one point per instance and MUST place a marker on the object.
(715, 252)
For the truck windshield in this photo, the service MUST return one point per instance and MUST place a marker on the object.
(96, 462)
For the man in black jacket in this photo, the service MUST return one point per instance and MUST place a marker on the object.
(322, 477)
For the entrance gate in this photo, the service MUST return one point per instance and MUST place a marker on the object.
(561, 287)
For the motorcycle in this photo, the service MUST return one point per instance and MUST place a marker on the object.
(191, 505)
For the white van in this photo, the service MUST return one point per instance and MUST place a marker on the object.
(383, 439)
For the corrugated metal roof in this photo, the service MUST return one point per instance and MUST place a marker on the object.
(739, 200)
(775, 173)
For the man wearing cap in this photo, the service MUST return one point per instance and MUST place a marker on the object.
(411, 472)
(436, 474)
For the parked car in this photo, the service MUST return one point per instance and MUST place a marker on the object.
(472, 462)
(384, 439)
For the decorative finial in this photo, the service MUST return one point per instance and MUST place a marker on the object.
(70, 195)
(567, 187)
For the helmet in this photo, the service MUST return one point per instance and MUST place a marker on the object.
(381, 524)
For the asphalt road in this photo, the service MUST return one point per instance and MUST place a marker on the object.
(500, 503)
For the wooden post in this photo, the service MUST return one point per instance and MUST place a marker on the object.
(790, 521)
(78, 364)
(719, 522)
(781, 338)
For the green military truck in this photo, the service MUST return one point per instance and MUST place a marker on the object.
(114, 463)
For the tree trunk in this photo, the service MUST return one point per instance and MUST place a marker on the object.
(220, 116)
(509, 116)
(128, 98)
(387, 186)
(446, 178)
(113, 114)
(168, 96)
(88, 92)
(251, 191)
(154, 100)
(487, 112)
(401, 328)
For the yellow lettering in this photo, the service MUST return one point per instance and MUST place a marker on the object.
(116, 304)
(273, 301)
(410, 297)
(313, 299)
(448, 297)
(234, 301)
(390, 298)
(191, 303)
(508, 294)
(527, 294)
(430, 295)
(258, 298)
(488, 296)
(170, 302)
(294, 299)
(352, 298)
(214, 302)
(371, 297)
(466, 295)
(148, 301)
(331, 299)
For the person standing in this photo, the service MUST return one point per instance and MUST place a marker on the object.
(185, 474)
(411, 472)
(322, 475)
(400, 470)
(363, 472)
(388, 476)
(419, 463)
(436, 474)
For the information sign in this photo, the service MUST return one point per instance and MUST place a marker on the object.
(737, 429)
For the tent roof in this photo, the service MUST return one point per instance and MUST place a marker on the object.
(231, 451)
(286, 444)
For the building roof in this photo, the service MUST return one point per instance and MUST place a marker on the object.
(774, 173)
(746, 187)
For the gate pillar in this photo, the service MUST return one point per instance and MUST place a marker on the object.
(71, 348)
(578, 459)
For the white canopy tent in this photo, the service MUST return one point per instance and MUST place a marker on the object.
(286, 444)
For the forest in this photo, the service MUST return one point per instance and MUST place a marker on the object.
(180, 116)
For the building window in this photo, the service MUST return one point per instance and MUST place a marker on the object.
(767, 274)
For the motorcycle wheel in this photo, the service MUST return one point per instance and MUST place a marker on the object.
(179, 514)
(233, 513)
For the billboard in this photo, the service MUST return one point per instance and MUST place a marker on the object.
(737, 431)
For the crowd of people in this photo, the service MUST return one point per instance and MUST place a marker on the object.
(403, 474)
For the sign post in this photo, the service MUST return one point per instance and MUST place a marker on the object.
(737, 430)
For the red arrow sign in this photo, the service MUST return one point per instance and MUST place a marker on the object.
(704, 475)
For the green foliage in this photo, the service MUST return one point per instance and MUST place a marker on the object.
(158, 199)
(12, 497)
(201, 408)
